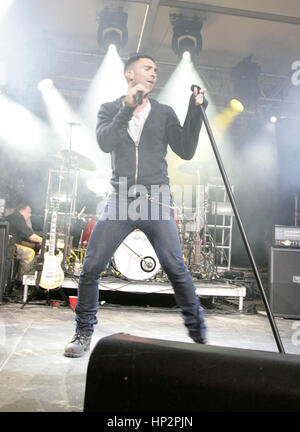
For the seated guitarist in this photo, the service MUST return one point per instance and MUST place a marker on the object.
(27, 243)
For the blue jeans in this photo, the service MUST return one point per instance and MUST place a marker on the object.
(155, 218)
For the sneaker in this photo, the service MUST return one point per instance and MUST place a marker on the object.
(78, 346)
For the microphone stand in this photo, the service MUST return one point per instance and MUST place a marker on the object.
(242, 230)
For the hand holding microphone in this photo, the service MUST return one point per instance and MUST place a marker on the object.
(135, 95)
(198, 93)
(139, 97)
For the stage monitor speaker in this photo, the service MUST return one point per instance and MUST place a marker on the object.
(133, 374)
(284, 282)
(4, 228)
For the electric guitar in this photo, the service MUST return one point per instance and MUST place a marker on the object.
(52, 274)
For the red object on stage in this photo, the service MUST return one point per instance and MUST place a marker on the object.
(73, 301)
(87, 231)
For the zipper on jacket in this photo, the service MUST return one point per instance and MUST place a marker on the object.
(136, 162)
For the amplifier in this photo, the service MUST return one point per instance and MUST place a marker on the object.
(286, 236)
(284, 282)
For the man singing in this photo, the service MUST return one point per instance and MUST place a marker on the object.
(136, 130)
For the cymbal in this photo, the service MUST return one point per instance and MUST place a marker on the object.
(77, 160)
(194, 166)
(49, 160)
(99, 186)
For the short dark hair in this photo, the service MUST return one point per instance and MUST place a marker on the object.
(22, 205)
(134, 58)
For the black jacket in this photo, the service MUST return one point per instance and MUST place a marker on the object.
(18, 228)
(146, 164)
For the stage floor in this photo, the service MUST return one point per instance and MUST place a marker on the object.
(36, 377)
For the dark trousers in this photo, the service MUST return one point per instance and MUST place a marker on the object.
(155, 218)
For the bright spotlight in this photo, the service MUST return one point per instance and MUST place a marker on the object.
(108, 84)
(273, 119)
(236, 105)
(112, 28)
(186, 34)
(45, 84)
(112, 48)
(186, 56)
(225, 118)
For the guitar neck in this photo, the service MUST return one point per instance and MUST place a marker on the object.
(52, 233)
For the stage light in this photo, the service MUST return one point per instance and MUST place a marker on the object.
(45, 84)
(186, 56)
(186, 35)
(245, 77)
(226, 117)
(112, 28)
(58, 109)
(236, 105)
(273, 119)
(112, 47)
(107, 85)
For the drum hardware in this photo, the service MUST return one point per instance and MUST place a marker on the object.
(99, 186)
(135, 258)
(207, 169)
(221, 209)
(200, 248)
(208, 252)
(77, 161)
(147, 264)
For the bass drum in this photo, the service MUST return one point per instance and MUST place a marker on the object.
(135, 258)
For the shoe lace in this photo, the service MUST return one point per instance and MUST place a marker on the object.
(82, 339)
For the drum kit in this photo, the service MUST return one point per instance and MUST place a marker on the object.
(135, 259)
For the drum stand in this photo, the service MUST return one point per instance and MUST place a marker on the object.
(204, 246)
(241, 227)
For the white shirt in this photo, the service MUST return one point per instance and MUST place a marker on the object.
(136, 124)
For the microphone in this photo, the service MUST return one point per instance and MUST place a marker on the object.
(139, 97)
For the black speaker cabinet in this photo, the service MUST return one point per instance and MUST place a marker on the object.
(284, 286)
(4, 228)
(133, 374)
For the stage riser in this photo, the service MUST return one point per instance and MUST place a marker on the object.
(133, 374)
